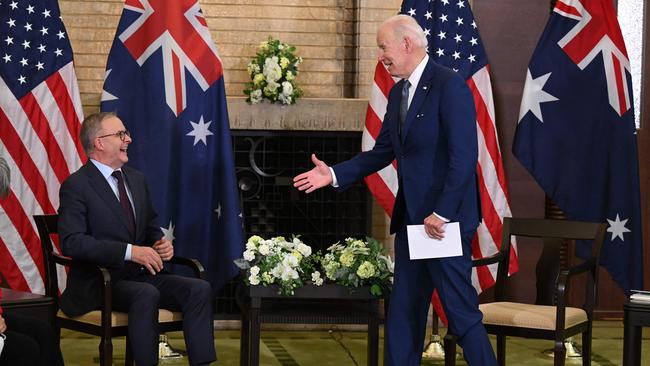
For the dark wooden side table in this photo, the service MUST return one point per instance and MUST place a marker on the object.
(327, 304)
(26, 303)
(635, 317)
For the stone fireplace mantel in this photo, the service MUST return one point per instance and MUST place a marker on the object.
(308, 114)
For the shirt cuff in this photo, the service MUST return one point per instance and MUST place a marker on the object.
(335, 183)
(441, 218)
(127, 254)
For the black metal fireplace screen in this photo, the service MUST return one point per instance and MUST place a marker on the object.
(265, 163)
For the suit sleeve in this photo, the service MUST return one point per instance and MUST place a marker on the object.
(458, 121)
(75, 231)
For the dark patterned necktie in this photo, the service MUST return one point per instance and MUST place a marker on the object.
(404, 105)
(124, 202)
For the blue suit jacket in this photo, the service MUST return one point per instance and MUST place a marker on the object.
(93, 228)
(436, 154)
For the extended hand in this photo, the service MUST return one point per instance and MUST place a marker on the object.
(147, 257)
(434, 227)
(3, 325)
(318, 177)
(164, 248)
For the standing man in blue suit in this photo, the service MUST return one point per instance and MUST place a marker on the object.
(106, 217)
(430, 128)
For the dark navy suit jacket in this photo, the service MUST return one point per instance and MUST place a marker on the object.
(436, 154)
(93, 228)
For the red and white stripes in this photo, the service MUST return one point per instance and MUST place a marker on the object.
(39, 139)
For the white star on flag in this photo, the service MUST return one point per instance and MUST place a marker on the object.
(617, 228)
(534, 96)
(411, 12)
(218, 210)
(106, 96)
(168, 232)
(200, 131)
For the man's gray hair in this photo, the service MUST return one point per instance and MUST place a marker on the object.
(90, 129)
(405, 25)
(4, 178)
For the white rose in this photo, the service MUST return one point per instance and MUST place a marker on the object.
(255, 270)
(304, 249)
(272, 70)
(264, 249)
(254, 279)
(256, 97)
(249, 255)
(287, 88)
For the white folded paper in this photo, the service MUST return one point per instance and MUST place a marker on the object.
(421, 246)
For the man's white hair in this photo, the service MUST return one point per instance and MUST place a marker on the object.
(407, 26)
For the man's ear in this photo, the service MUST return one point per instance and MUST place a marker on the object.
(99, 145)
(408, 44)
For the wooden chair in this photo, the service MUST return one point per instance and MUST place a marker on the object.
(104, 322)
(557, 323)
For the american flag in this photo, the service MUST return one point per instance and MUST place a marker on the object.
(40, 114)
(453, 42)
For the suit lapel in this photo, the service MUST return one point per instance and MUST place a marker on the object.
(423, 88)
(100, 185)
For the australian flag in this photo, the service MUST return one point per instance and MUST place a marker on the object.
(576, 131)
(164, 79)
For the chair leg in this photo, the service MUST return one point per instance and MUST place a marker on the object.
(450, 350)
(106, 351)
(559, 353)
(501, 349)
(128, 357)
(586, 347)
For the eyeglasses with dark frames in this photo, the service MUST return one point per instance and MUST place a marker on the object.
(121, 134)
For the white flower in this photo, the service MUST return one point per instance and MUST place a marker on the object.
(284, 99)
(289, 75)
(254, 279)
(255, 270)
(264, 249)
(272, 70)
(288, 273)
(272, 85)
(287, 88)
(256, 97)
(316, 278)
(258, 78)
(304, 249)
(290, 261)
(249, 255)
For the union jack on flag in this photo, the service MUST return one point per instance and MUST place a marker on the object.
(453, 42)
(164, 79)
(40, 114)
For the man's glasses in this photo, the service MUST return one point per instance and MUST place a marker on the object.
(121, 134)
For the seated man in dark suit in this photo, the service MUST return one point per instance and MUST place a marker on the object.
(106, 217)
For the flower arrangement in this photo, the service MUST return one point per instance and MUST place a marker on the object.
(359, 263)
(276, 261)
(273, 72)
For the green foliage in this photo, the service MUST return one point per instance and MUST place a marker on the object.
(273, 73)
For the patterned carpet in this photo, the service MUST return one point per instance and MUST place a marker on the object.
(342, 348)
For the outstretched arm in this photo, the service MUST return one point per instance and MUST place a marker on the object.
(320, 176)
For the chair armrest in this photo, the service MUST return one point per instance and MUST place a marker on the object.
(585, 266)
(488, 260)
(107, 293)
(194, 264)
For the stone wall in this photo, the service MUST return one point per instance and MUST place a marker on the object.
(336, 39)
